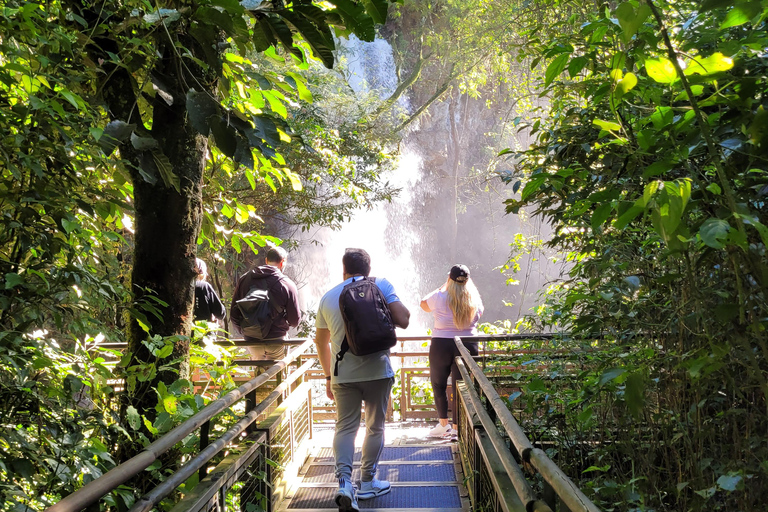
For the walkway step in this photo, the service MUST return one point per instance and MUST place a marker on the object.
(423, 477)
(443, 497)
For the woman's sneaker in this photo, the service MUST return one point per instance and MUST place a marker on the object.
(373, 488)
(440, 430)
(345, 497)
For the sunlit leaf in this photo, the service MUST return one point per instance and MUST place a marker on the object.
(661, 70)
(715, 63)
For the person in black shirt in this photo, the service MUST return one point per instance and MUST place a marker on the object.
(208, 306)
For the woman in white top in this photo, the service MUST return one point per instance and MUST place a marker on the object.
(456, 307)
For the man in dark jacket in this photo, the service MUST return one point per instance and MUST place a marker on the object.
(285, 302)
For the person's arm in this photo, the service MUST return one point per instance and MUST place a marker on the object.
(217, 307)
(323, 343)
(429, 298)
(292, 309)
(234, 312)
(400, 314)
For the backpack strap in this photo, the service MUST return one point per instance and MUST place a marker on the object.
(344, 345)
(340, 355)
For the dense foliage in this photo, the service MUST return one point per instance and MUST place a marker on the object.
(650, 163)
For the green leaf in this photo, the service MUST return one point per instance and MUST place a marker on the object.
(715, 63)
(625, 85)
(224, 136)
(631, 20)
(730, 482)
(114, 133)
(740, 14)
(661, 70)
(169, 403)
(713, 232)
(555, 68)
(609, 126)
(611, 374)
(143, 143)
(201, 107)
(12, 280)
(377, 9)
(294, 179)
(283, 34)
(715, 189)
(600, 215)
(304, 93)
(165, 168)
(132, 415)
(322, 47)
(628, 216)
(657, 168)
(576, 65)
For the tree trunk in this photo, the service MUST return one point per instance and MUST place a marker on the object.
(167, 223)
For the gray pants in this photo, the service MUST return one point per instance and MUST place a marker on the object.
(349, 397)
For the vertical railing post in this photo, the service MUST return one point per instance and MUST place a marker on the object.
(279, 380)
(205, 432)
(549, 495)
(250, 404)
(309, 411)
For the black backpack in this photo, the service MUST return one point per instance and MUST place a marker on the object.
(368, 324)
(258, 310)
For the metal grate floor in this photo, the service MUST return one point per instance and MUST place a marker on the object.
(423, 478)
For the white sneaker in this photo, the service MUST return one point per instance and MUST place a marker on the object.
(345, 497)
(373, 488)
(440, 430)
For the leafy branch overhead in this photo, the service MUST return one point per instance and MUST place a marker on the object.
(225, 95)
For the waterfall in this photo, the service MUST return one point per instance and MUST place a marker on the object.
(411, 239)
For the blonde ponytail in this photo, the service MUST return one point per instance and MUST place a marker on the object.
(464, 301)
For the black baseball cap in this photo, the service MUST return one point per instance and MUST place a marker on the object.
(459, 273)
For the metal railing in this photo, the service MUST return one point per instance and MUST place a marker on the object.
(497, 480)
(92, 492)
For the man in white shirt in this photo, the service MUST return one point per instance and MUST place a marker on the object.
(360, 379)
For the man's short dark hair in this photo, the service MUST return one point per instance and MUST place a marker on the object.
(276, 254)
(356, 261)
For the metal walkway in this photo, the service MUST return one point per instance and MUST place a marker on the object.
(425, 475)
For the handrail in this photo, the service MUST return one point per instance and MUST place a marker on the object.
(95, 490)
(516, 476)
(150, 499)
(566, 490)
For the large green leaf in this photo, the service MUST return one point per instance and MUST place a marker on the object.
(114, 133)
(713, 232)
(201, 108)
(322, 47)
(283, 34)
(377, 9)
(661, 70)
(715, 63)
(555, 68)
(740, 14)
(224, 136)
(630, 19)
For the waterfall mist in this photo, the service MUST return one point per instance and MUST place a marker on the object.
(447, 211)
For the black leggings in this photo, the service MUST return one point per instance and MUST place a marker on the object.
(442, 352)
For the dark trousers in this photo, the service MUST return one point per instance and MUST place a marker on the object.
(442, 352)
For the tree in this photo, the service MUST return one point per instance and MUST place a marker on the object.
(649, 161)
(168, 78)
